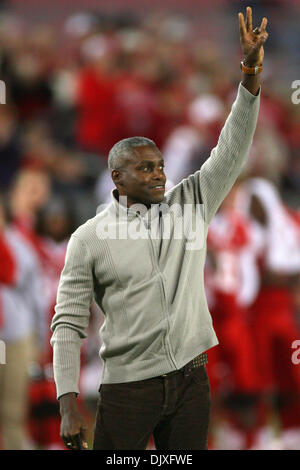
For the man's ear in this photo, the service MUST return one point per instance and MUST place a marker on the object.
(117, 177)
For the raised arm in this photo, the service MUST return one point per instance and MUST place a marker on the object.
(225, 163)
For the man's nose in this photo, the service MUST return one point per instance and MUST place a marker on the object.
(158, 173)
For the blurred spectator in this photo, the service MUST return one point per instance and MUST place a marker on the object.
(29, 193)
(272, 313)
(23, 330)
(232, 282)
(97, 111)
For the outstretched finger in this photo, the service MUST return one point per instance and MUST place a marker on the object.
(242, 25)
(263, 24)
(249, 19)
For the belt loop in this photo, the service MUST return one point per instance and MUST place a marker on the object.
(187, 369)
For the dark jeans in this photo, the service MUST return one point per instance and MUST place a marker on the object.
(174, 408)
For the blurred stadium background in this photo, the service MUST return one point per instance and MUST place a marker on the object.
(81, 75)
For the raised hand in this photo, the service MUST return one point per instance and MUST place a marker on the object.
(252, 40)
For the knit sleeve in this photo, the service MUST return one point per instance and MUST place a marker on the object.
(218, 174)
(71, 318)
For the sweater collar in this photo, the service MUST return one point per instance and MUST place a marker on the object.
(135, 210)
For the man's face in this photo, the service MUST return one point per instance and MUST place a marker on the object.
(142, 178)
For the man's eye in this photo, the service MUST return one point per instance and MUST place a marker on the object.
(147, 168)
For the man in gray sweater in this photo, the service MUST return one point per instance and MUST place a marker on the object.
(143, 263)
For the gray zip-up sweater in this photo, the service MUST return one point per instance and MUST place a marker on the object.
(150, 289)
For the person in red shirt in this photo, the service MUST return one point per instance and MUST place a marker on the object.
(272, 312)
(98, 117)
(231, 283)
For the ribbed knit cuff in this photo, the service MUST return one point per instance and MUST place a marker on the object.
(247, 95)
(66, 345)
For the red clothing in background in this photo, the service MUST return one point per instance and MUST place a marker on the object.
(98, 116)
(274, 330)
(7, 268)
(231, 365)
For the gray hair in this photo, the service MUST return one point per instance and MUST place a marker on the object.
(124, 149)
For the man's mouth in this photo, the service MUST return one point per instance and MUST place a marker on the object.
(158, 187)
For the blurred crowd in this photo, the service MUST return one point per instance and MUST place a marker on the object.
(73, 91)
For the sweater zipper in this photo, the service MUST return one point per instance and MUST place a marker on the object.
(156, 267)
